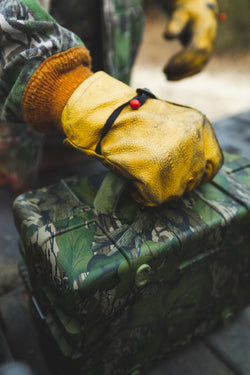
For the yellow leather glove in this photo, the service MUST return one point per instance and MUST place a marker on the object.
(164, 149)
(194, 22)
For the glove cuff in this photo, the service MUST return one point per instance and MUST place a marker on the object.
(51, 86)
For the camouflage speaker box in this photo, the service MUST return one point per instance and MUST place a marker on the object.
(119, 291)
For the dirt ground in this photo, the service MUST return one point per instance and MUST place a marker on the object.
(221, 90)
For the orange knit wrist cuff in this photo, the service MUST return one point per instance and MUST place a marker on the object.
(51, 86)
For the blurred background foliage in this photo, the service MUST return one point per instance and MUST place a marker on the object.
(234, 33)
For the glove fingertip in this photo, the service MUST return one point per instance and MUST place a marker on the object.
(172, 74)
(170, 34)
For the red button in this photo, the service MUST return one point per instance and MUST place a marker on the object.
(222, 17)
(135, 104)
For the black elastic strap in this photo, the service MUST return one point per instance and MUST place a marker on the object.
(142, 96)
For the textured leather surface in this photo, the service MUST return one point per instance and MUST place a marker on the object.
(165, 149)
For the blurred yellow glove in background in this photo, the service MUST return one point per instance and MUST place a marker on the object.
(194, 22)
(164, 149)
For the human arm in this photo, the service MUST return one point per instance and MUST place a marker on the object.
(29, 37)
(164, 149)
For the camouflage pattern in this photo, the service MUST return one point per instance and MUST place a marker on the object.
(121, 291)
(28, 36)
(34, 36)
(112, 31)
(121, 36)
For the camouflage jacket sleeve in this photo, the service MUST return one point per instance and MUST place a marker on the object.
(28, 35)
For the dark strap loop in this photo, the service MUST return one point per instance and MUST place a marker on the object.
(142, 96)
